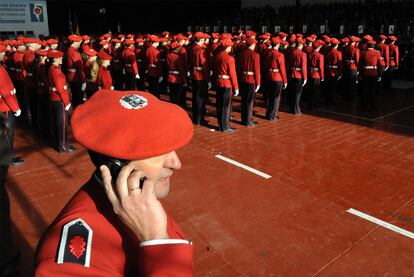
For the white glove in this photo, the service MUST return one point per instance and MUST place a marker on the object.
(284, 86)
(379, 79)
(160, 79)
(67, 107)
(211, 72)
(236, 92)
(257, 88)
(13, 91)
(395, 69)
(137, 77)
(209, 85)
(322, 80)
(146, 71)
(112, 87)
(340, 77)
(188, 73)
(386, 68)
(123, 71)
(304, 83)
(83, 87)
(18, 113)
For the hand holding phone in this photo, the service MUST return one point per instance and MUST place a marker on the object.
(137, 207)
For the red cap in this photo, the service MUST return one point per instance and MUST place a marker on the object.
(163, 40)
(300, 40)
(153, 38)
(226, 42)
(368, 37)
(90, 52)
(165, 33)
(115, 40)
(54, 54)
(103, 42)
(180, 37)
(31, 40)
(104, 56)
(382, 37)
(299, 35)
(130, 36)
(206, 35)
(282, 35)
(334, 41)
(199, 35)
(250, 33)
(284, 42)
(41, 52)
(86, 37)
(2, 48)
(175, 45)
(139, 40)
(52, 41)
(121, 36)
(310, 39)
(250, 41)
(265, 36)
(18, 43)
(129, 41)
(326, 39)
(353, 38)
(371, 42)
(141, 126)
(226, 36)
(74, 38)
(215, 35)
(392, 38)
(292, 38)
(345, 40)
(275, 40)
(107, 36)
(318, 43)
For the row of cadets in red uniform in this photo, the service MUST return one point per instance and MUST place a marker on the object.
(9, 106)
(176, 75)
(224, 68)
(76, 74)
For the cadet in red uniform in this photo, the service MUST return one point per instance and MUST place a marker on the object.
(275, 77)
(298, 76)
(116, 65)
(154, 66)
(42, 92)
(199, 70)
(59, 98)
(104, 46)
(316, 73)
(131, 72)
(9, 106)
(177, 73)
(85, 43)
(350, 62)
(91, 68)
(96, 235)
(140, 57)
(75, 75)
(104, 79)
(19, 78)
(248, 69)
(333, 70)
(383, 48)
(394, 61)
(370, 70)
(225, 71)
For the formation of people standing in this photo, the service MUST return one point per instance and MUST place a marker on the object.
(43, 80)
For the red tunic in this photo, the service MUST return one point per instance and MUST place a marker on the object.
(177, 69)
(275, 67)
(248, 66)
(394, 55)
(334, 63)
(316, 65)
(298, 66)
(29, 62)
(153, 61)
(20, 72)
(370, 63)
(104, 79)
(351, 58)
(225, 71)
(130, 62)
(385, 54)
(90, 84)
(115, 250)
(8, 100)
(75, 66)
(57, 85)
(198, 63)
(41, 79)
(116, 63)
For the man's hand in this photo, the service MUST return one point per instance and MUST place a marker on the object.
(284, 86)
(138, 208)
(257, 88)
(67, 107)
(83, 87)
(236, 92)
(18, 113)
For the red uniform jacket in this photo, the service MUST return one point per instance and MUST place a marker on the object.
(370, 63)
(316, 65)
(9, 64)
(104, 79)
(351, 58)
(90, 84)
(248, 67)
(130, 62)
(198, 63)
(275, 67)
(298, 65)
(225, 71)
(114, 250)
(57, 85)
(41, 80)
(8, 100)
(176, 68)
(116, 63)
(140, 58)
(334, 63)
(75, 66)
(308, 49)
(29, 62)
(20, 72)
(394, 55)
(385, 54)
(153, 61)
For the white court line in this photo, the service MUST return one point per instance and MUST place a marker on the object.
(385, 115)
(345, 114)
(382, 223)
(248, 168)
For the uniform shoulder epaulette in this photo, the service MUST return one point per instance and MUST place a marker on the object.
(75, 243)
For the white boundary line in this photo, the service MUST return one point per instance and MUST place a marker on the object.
(382, 223)
(386, 115)
(345, 114)
(248, 168)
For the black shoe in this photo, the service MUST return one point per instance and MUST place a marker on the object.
(16, 161)
(71, 149)
(229, 130)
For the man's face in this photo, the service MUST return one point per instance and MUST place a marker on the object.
(2, 56)
(159, 169)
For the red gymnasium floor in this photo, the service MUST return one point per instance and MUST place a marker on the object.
(295, 223)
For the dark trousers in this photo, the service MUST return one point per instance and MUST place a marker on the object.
(350, 79)
(272, 90)
(129, 81)
(7, 119)
(388, 75)
(223, 107)
(332, 85)
(369, 89)
(43, 112)
(31, 97)
(61, 117)
(198, 100)
(314, 92)
(22, 99)
(247, 101)
(117, 78)
(295, 94)
(154, 86)
(77, 94)
(141, 81)
(90, 92)
(177, 94)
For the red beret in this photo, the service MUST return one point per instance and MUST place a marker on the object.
(326, 39)
(154, 38)
(31, 40)
(226, 42)
(41, 52)
(141, 126)
(175, 45)
(250, 41)
(163, 40)
(115, 40)
(75, 38)
(345, 40)
(22, 38)
(139, 40)
(318, 43)
(207, 35)
(104, 56)
(300, 40)
(352, 38)
(368, 37)
(299, 35)
(121, 36)
(215, 35)
(250, 33)
(2, 48)
(310, 39)
(103, 42)
(226, 36)
(86, 37)
(382, 37)
(130, 36)
(165, 33)
(52, 41)
(371, 42)
(129, 41)
(282, 35)
(265, 36)
(107, 36)
(54, 54)
(334, 41)
(275, 40)
(199, 35)
(392, 38)
(18, 43)
(90, 52)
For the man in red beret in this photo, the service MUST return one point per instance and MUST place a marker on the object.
(154, 66)
(118, 212)
(350, 56)
(75, 75)
(334, 70)
(248, 69)
(298, 75)
(177, 75)
(394, 54)
(316, 73)
(226, 83)
(131, 72)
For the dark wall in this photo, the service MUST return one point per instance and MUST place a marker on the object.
(134, 16)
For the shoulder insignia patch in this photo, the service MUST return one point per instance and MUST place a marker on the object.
(75, 243)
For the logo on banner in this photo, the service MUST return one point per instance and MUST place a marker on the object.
(360, 29)
(304, 29)
(264, 29)
(391, 29)
(37, 13)
(207, 29)
(341, 29)
(277, 29)
(291, 29)
(225, 29)
(322, 29)
(215, 29)
(233, 29)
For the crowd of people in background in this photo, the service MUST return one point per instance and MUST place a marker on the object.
(45, 79)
